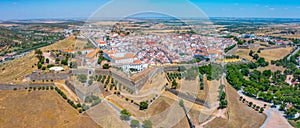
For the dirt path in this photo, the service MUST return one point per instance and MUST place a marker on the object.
(275, 120)
(70, 93)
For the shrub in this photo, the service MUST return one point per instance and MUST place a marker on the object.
(78, 105)
(143, 105)
(134, 123)
(147, 124)
(125, 115)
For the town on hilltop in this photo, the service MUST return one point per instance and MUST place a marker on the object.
(144, 72)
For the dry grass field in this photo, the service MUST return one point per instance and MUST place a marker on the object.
(65, 44)
(244, 53)
(157, 83)
(16, 70)
(296, 36)
(238, 114)
(39, 109)
(163, 112)
(182, 124)
(273, 68)
(106, 116)
(275, 54)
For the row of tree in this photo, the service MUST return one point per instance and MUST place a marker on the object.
(201, 81)
(174, 75)
(222, 97)
(252, 105)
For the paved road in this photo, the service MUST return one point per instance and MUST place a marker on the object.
(93, 42)
(269, 116)
(298, 48)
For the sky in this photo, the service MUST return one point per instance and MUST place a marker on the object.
(39, 9)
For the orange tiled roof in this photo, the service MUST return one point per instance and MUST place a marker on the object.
(93, 53)
(68, 51)
(101, 42)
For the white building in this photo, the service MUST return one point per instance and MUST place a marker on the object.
(101, 44)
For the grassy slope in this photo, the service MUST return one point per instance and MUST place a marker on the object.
(39, 109)
(239, 115)
(17, 69)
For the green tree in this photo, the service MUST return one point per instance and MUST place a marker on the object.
(39, 66)
(44, 68)
(57, 60)
(125, 115)
(105, 66)
(47, 61)
(181, 68)
(255, 56)
(90, 82)
(181, 103)
(147, 124)
(174, 84)
(134, 123)
(73, 65)
(251, 53)
(245, 71)
(39, 54)
(222, 95)
(261, 110)
(291, 111)
(250, 104)
(223, 104)
(143, 105)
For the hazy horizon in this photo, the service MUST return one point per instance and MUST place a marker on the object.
(67, 9)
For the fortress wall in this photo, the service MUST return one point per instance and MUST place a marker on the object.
(49, 76)
(102, 72)
(124, 81)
